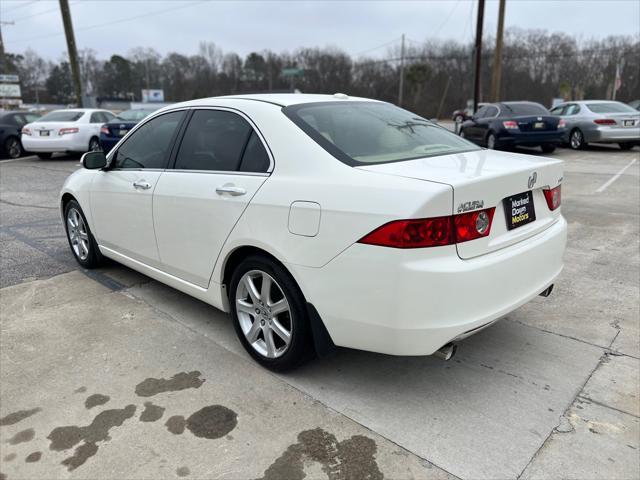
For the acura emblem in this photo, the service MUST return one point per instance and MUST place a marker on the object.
(532, 180)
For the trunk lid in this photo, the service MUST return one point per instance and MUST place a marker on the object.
(484, 179)
(51, 127)
(537, 123)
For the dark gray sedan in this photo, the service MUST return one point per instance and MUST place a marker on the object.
(599, 121)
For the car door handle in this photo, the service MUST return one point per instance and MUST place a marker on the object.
(142, 185)
(231, 190)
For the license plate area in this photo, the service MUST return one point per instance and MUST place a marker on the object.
(629, 123)
(44, 133)
(519, 210)
(539, 125)
(122, 133)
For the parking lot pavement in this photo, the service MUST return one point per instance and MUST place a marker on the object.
(551, 391)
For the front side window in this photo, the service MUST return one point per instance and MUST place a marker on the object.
(365, 133)
(62, 116)
(214, 140)
(149, 146)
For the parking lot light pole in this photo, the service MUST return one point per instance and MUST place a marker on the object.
(478, 55)
(73, 51)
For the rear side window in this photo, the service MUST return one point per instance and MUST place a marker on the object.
(96, 117)
(572, 109)
(524, 109)
(214, 140)
(150, 145)
(491, 111)
(255, 158)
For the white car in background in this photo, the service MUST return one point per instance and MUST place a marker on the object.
(75, 130)
(320, 220)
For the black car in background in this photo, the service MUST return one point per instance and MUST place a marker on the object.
(112, 131)
(11, 123)
(509, 124)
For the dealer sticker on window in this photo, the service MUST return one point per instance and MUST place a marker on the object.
(519, 210)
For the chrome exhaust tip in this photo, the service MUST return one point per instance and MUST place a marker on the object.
(447, 352)
(547, 291)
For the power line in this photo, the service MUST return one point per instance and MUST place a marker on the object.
(21, 6)
(38, 13)
(114, 22)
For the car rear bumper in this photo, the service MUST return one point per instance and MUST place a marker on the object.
(412, 302)
(107, 143)
(64, 143)
(532, 139)
(615, 135)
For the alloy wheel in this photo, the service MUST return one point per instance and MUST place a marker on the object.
(78, 235)
(94, 145)
(576, 139)
(491, 142)
(264, 314)
(13, 148)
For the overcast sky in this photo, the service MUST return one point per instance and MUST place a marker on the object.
(357, 27)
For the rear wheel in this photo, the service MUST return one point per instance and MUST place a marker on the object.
(458, 119)
(12, 147)
(576, 139)
(625, 146)
(83, 245)
(491, 141)
(269, 314)
(548, 148)
(94, 144)
(44, 155)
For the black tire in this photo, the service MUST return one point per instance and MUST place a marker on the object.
(626, 146)
(44, 155)
(94, 145)
(548, 148)
(576, 139)
(94, 258)
(300, 347)
(13, 147)
(458, 119)
(492, 141)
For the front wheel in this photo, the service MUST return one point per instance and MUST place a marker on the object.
(44, 155)
(13, 147)
(83, 245)
(269, 314)
(548, 148)
(626, 146)
(576, 140)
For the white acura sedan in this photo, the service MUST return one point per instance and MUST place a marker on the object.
(320, 220)
(74, 130)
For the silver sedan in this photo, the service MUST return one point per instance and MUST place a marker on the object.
(599, 121)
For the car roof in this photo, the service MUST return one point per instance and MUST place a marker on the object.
(280, 99)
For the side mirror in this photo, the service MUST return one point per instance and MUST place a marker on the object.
(94, 160)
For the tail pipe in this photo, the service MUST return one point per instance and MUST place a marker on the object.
(447, 352)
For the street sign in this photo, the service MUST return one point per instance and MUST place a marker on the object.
(9, 78)
(10, 90)
(292, 72)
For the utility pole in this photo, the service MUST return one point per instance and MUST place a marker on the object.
(3, 62)
(73, 51)
(478, 55)
(497, 57)
(401, 87)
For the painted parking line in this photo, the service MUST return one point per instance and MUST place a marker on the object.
(615, 177)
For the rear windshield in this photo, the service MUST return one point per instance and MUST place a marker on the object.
(610, 107)
(61, 116)
(133, 115)
(524, 109)
(365, 133)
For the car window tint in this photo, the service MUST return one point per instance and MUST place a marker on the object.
(491, 111)
(572, 109)
(31, 117)
(528, 108)
(62, 116)
(107, 116)
(214, 140)
(148, 147)
(557, 110)
(610, 107)
(15, 119)
(255, 158)
(482, 112)
(96, 117)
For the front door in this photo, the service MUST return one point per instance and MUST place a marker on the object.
(122, 196)
(219, 167)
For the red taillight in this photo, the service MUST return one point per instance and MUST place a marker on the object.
(65, 131)
(104, 129)
(605, 121)
(472, 225)
(553, 197)
(562, 123)
(26, 131)
(432, 232)
(510, 125)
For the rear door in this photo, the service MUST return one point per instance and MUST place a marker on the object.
(122, 197)
(220, 164)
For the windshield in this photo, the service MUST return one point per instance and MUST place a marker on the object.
(62, 116)
(525, 109)
(133, 115)
(364, 133)
(610, 107)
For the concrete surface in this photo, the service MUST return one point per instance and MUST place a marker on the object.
(551, 391)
